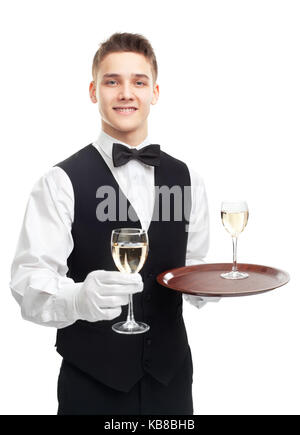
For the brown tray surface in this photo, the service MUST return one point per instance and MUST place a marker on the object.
(205, 279)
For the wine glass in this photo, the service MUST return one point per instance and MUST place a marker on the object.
(129, 248)
(234, 215)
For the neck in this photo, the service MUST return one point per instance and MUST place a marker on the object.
(132, 138)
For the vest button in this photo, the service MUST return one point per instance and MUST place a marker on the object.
(149, 341)
(150, 275)
(148, 297)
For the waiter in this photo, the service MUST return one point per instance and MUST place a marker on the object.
(63, 273)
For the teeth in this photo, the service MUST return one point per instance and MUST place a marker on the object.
(125, 110)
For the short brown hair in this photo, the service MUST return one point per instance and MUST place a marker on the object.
(120, 42)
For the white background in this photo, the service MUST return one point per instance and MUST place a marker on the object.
(229, 106)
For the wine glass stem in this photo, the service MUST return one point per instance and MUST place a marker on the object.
(234, 243)
(130, 317)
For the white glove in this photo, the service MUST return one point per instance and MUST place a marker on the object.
(200, 301)
(103, 292)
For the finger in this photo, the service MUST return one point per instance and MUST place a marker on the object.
(112, 301)
(110, 313)
(120, 289)
(211, 298)
(118, 278)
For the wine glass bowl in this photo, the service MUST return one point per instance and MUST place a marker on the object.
(129, 247)
(234, 215)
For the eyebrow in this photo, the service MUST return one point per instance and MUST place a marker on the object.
(109, 75)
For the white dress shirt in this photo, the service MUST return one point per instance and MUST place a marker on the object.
(38, 272)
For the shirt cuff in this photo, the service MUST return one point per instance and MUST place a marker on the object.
(65, 306)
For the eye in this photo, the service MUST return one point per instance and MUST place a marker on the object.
(110, 81)
(140, 82)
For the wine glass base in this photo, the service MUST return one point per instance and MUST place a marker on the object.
(234, 275)
(130, 327)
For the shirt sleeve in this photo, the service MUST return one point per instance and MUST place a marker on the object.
(198, 237)
(38, 271)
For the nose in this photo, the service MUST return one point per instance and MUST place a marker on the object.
(126, 92)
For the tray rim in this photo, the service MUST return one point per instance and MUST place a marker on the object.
(159, 279)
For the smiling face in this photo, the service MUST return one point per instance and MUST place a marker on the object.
(125, 80)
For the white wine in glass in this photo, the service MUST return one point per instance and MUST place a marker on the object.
(129, 247)
(129, 257)
(234, 215)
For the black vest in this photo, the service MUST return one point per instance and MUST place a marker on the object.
(120, 360)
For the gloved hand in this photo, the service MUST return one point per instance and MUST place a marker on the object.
(200, 301)
(103, 292)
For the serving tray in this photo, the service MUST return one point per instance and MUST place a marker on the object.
(205, 279)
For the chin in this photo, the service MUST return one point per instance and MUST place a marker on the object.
(125, 126)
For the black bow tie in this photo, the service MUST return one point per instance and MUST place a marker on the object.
(150, 154)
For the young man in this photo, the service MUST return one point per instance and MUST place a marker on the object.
(63, 273)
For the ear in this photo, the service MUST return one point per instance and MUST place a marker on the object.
(155, 94)
(92, 91)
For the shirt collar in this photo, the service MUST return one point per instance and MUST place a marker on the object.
(105, 142)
